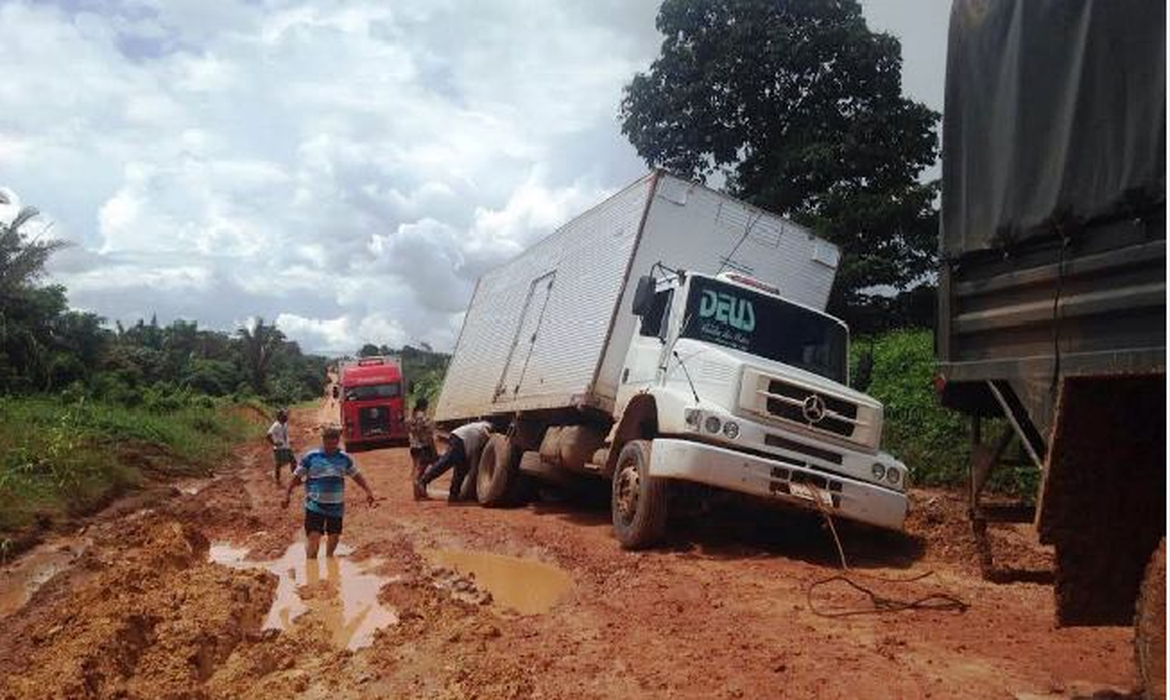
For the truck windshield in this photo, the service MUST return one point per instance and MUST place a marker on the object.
(761, 325)
(372, 391)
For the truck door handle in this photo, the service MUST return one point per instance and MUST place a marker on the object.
(625, 375)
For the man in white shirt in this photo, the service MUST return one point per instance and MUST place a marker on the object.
(282, 453)
(463, 445)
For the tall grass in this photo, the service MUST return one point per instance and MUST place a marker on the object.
(67, 458)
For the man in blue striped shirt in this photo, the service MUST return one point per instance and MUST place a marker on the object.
(323, 471)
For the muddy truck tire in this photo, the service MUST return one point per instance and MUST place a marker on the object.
(1103, 495)
(1150, 627)
(497, 472)
(638, 500)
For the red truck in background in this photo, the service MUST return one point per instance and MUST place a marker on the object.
(373, 403)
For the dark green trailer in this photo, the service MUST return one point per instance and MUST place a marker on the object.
(1052, 284)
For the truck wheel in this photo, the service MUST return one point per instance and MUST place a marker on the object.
(497, 471)
(1150, 627)
(638, 500)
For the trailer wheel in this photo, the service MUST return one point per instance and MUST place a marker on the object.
(638, 500)
(497, 471)
(1150, 627)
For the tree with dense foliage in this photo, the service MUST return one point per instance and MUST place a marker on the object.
(800, 106)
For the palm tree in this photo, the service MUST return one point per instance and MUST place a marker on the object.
(259, 342)
(24, 315)
(22, 260)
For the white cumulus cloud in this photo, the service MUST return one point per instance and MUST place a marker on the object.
(345, 168)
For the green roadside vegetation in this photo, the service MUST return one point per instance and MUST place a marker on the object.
(63, 459)
(934, 442)
(931, 440)
(425, 375)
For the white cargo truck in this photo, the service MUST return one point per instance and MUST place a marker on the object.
(671, 334)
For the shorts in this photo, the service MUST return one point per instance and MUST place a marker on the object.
(316, 522)
(426, 455)
(283, 455)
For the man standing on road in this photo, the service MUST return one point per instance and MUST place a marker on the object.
(324, 471)
(463, 446)
(281, 447)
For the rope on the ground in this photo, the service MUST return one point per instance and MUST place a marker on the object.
(881, 604)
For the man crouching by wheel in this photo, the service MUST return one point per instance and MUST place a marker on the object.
(323, 471)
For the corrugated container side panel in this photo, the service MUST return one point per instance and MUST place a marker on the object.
(489, 328)
(590, 255)
(1097, 301)
(695, 228)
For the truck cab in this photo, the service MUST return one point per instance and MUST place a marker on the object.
(748, 392)
(373, 403)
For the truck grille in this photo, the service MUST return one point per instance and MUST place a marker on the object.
(813, 410)
(374, 420)
(789, 402)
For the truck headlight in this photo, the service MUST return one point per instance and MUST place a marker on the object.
(731, 429)
(693, 418)
(893, 475)
(879, 470)
(713, 424)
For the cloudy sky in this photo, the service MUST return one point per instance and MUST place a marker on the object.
(345, 168)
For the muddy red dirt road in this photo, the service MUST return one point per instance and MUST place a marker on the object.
(141, 611)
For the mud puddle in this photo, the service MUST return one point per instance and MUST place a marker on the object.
(20, 580)
(341, 593)
(526, 586)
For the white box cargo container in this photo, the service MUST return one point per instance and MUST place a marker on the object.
(551, 327)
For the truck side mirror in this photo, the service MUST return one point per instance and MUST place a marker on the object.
(643, 296)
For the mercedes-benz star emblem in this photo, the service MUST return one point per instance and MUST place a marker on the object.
(813, 408)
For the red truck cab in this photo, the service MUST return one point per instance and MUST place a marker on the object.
(373, 403)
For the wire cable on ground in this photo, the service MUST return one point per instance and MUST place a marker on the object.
(880, 604)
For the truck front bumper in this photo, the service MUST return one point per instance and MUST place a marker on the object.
(777, 479)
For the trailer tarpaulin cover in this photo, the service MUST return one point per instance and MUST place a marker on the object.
(1055, 111)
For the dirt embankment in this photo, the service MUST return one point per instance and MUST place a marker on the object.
(722, 611)
(154, 622)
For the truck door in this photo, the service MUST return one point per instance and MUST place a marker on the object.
(512, 377)
(644, 358)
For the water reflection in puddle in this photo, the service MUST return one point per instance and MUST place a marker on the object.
(19, 581)
(524, 585)
(341, 593)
